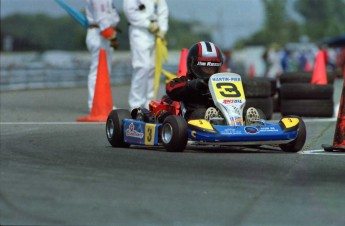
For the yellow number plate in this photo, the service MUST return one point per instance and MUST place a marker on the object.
(150, 134)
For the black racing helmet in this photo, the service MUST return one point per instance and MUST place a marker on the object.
(204, 59)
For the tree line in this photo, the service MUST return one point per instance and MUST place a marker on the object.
(318, 19)
(41, 32)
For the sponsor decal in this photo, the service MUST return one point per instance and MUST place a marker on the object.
(131, 132)
(232, 131)
(226, 79)
(232, 101)
(209, 64)
(268, 129)
(236, 121)
(251, 130)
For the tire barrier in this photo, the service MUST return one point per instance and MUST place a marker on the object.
(297, 96)
(306, 91)
(303, 77)
(256, 87)
(259, 94)
(307, 108)
(265, 104)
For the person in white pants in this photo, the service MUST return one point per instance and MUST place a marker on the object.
(101, 34)
(147, 19)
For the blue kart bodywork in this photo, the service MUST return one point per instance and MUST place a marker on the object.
(225, 124)
(142, 133)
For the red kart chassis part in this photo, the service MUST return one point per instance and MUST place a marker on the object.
(157, 107)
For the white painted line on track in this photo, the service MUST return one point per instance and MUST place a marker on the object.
(311, 120)
(321, 152)
(19, 131)
(321, 120)
(93, 123)
(52, 123)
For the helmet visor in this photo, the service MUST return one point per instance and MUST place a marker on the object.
(205, 72)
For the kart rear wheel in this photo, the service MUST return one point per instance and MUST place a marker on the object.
(297, 144)
(174, 134)
(114, 128)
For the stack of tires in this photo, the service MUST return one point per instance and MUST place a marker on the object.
(299, 97)
(259, 92)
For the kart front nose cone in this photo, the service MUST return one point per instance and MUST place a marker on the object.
(110, 128)
(167, 133)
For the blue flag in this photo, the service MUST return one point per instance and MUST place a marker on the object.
(78, 16)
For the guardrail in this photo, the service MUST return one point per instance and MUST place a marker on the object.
(21, 71)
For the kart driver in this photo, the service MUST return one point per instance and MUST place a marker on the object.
(204, 59)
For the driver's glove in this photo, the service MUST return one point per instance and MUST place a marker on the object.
(198, 85)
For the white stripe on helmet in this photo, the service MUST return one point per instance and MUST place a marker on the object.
(206, 53)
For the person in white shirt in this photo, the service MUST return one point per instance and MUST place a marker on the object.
(147, 19)
(103, 18)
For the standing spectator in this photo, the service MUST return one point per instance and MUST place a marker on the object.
(285, 60)
(274, 69)
(147, 20)
(302, 61)
(265, 59)
(101, 34)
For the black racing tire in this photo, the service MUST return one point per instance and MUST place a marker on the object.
(174, 133)
(274, 86)
(114, 127)
(261, 114)
(303, 77)
(297, 144)
(307, 108)
(276, 101)
(142, 114)
(265, 104)
(256, 87)
(306, 91)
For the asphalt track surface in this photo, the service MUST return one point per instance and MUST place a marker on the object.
(55, 171)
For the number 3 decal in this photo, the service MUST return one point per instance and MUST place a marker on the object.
(228, 89)
(149, 134)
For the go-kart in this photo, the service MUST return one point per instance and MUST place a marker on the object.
(164, 123)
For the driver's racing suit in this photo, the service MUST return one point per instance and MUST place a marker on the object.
(196, 102)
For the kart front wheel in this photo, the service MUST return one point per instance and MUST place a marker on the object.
(297, 144)
(114, 128)
(174, 134)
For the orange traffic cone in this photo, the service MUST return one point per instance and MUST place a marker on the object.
(182, 68)
(252, 70)
(307, 67)
(102, 101)
(339, 136)
(224, 68)
(319, 76)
